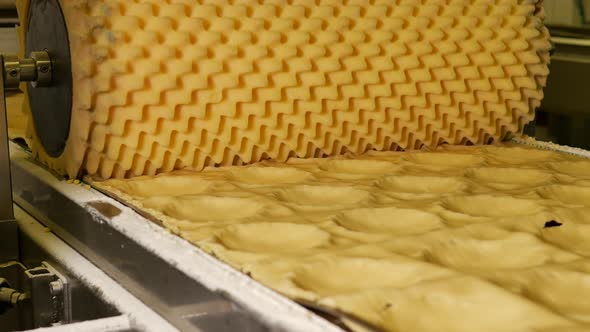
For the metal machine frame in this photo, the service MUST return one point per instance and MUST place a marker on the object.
(13, 71)
(37, 70)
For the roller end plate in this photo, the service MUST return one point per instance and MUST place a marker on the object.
(51, 106)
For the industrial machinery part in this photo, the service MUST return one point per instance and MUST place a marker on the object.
(49, 296)
(55, 278)
(162, 86)
(50, 106)
(44, 296)
(37, 69)
(13, 71)
(9, 297)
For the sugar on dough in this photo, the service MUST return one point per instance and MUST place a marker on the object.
(391, 253)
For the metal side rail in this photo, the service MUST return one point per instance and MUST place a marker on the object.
(190, 289)
(125, 313)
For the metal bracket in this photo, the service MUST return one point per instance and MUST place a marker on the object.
(41, 294)
(49, 292)
(36, 69)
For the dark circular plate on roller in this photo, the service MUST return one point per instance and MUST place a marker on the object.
(51, 106)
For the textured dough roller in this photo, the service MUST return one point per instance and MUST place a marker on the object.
(162, 85)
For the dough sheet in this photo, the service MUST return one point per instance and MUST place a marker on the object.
(493, 238)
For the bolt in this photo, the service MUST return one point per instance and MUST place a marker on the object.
(13, 73)
(44, 69)
(56, 287)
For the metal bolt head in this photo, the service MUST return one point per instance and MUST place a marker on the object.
(43, 64)
(56, 287)
(13, 73)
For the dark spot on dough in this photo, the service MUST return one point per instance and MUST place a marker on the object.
(552, 223)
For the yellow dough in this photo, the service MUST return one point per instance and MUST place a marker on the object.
(358, 166)
(560, 289)
(364, 273)
(286, 237)
(422, 184)
(445, 159)
(420, 241)
(511, 176)
(161, 85)
(451, 304)
(492, 206)
(163, 186)
(389, 220)
(518, 155)
(269, 175)
(573, 168)
(204, 208)
(310, 195)
(512, 250)
(573, 237)
(568, 194)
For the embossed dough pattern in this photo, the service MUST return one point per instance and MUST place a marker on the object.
(412, 241)
(162, 85)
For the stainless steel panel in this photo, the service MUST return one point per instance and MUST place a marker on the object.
(6, 212)
(86, 305)
(564, 115)
(181, 300)
(7, 4)
(8, 241)
(568, 84)
(94, 296)
(8, 40)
